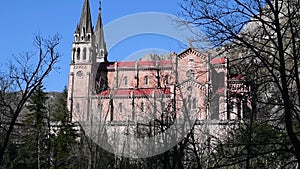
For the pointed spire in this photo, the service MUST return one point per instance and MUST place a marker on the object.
(99, 33)
(85, 23)
(99, 20)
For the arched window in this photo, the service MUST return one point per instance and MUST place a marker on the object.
(189, 90)
(100, 107)
(78, 53)
(194, 103)
(189, 104)
(73, 55)
(84, 54)
(76, 37)
(166, 79)
(101, 53)
(125, 79)
(163, 106)
(142, 107)
(111, 106)
(120, 108)
(146, 80)
(78, 109)
(133, 110)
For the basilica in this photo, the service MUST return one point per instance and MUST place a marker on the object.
(149, 94)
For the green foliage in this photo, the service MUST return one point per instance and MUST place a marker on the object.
(64, 140)
(36, 149)
(61, 113)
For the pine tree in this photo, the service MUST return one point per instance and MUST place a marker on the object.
(65, 138)
(36, 153)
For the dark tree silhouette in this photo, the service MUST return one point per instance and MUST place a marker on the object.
(261, 40)
(19, 82)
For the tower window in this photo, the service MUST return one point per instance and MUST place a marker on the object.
(78, 53)
(84, 54)
(73, 55)
(146, 80)
(76, 37)
(101, 53)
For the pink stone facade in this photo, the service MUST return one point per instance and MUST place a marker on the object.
(140, 91)
(192, 84)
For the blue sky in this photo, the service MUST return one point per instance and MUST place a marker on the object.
(21, 20)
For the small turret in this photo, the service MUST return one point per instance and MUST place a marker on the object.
(101, 50)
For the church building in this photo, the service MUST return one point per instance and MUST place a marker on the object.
(148, 92)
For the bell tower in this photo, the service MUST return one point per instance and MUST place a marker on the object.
(88, 50)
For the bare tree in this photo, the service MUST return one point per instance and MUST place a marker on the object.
(261, 38)
(20, 80)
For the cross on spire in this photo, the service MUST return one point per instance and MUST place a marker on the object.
(100, 5)
(191, 41)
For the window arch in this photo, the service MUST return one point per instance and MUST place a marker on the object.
(78, 53)
(84, 54)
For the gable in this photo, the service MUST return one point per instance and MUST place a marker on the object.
(191, 52)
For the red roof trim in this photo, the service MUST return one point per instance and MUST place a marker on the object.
(141, 63)
(136, 92)
(219, 60)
